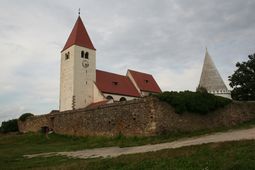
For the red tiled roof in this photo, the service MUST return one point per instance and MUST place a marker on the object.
(145, 82)
(115, 84)
(97, 104)
(79, 36)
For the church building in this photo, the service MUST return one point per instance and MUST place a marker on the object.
(82, 85)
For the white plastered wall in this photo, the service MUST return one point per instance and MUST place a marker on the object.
(84, 78)
(77, 82)
(226, 95)
(98, 96)
(66, 80)
(117, 97)
(145, 93)
(223, 94)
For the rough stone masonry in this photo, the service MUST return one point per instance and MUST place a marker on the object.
(141, 117)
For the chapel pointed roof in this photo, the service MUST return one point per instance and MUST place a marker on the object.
(79, 36)
(210, 77)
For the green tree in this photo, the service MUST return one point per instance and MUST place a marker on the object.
(201, 89)
(24, 116)
(9, 126)
(243, 80)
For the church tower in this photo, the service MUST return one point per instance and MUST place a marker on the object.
(78, 69)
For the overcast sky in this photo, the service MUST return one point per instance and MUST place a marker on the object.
(165, 38)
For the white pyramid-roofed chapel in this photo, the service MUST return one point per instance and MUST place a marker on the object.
(211, 79)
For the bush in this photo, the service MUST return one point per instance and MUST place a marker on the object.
(201, 89)
(195, 102)
(9, 126)
(24, 116)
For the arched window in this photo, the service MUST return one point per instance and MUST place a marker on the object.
(109, 98)
(87, 55)
(82, 54)
(123, 99)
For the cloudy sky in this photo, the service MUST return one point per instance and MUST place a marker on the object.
(166, 38)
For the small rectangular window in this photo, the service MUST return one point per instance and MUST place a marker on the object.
(67, 56)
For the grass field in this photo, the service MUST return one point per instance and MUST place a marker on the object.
(232, 155)
(14, 146)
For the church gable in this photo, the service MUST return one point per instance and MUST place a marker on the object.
(145, 82)
(115, 84)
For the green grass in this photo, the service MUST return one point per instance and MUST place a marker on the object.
(14, 146)
(232, 155)
(236, 155)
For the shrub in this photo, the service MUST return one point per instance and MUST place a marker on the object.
(24, 116)
(195, 102)
(9, 126)
(201, 89)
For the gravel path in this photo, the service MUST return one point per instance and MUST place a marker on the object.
(116, 151)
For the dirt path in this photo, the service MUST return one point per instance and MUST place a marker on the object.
(116, 151)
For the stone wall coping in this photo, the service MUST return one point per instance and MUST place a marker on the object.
(130, 102)
(116, 104)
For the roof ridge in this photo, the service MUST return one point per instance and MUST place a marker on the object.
(111, 73)
(139, 72)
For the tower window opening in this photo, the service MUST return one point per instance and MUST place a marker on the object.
(67, 56)
(82, 54)
(87, 55)
(146, 81)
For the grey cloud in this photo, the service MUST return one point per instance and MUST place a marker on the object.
(166, 38)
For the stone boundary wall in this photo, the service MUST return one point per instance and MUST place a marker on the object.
(140, 117)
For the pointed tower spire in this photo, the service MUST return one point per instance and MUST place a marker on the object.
(79, 36)
(210, 77)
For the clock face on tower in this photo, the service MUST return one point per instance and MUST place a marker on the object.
(85, 63)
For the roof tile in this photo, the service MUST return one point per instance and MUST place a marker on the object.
(145, 82)
(115, 84)
(79, 36)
